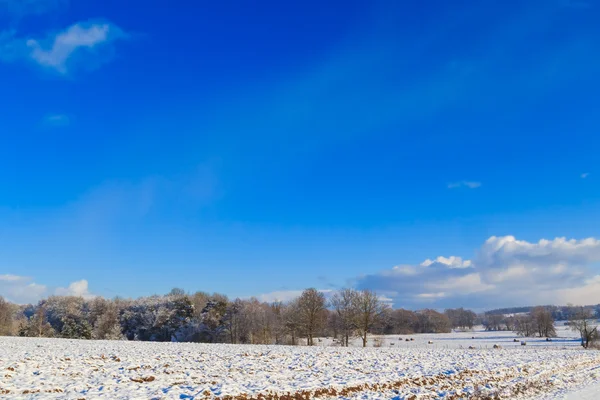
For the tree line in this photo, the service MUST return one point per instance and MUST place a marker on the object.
(213, 318)
(540, 321)
(559, 313)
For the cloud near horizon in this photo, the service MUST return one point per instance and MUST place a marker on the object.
(285, 296)
(23, 290)
(79, 289)
(504, 272)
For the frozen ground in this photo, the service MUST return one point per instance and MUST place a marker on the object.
(69, 369)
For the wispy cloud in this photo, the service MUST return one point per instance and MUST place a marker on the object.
(12, 278)
(585, 175)
(17, 9)
(56, 120)
(11, 47)
(465, 184)
(287, 295)
(83, 45)
(56, 51)
(580, 4)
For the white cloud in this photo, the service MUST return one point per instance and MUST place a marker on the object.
(507, 274)
(83, 45)
(451, 262)
(12, 278)
(22, 289)
(589, 293)
(79, 288)
(387, 300)
(465, 184)
(501, 251)
(466, 284)
(585, 175)
(63, 46)
(504, 272)
(288, 295)
(281, 295)
(430, 296)
(405, 270)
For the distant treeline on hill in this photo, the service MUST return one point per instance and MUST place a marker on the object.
(559, 313)
(511, 310)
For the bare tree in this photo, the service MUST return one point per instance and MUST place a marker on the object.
(233, 320)
(404, 321)
(311, 307)
(6, 318)
(525, 325)
(258, 321)
(431, 321)
(343, 303)
(291, 320)
(493, 322)
(266, 323)
(461, 318)
(368, 311)
(544, 323)
(176, 292)
(509, 322)
(584, 322)
(277, 314)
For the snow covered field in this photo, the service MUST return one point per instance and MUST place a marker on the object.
(70, 369)
(456, 340)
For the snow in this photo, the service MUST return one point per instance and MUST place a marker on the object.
(456, 340)
(591, 392)
(33, 368)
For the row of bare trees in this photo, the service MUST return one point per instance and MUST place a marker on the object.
(213, 318)
(198, 317)
(461, 318)
(539, 322)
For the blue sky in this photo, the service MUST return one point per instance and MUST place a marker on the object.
(258, 149)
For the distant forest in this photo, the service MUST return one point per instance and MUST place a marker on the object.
(213, 318)
(559, 313)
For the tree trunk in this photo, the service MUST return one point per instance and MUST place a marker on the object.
(364, 339)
